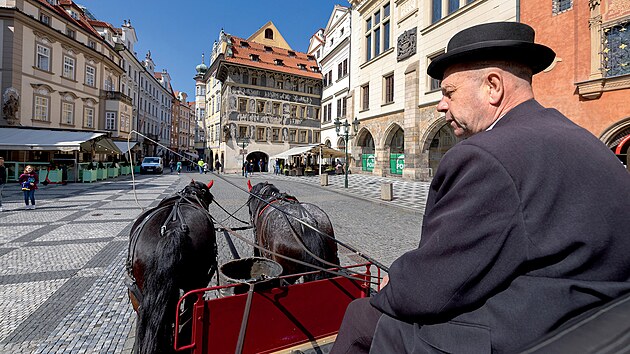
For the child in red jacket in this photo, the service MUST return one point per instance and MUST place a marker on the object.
(28, 181)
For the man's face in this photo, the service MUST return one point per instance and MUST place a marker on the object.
(462, 102)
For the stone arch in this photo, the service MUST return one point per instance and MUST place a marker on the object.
(437, 139)
(341, 144)
(394, 138)
(255, 157)
(365, 150)
(328, 143)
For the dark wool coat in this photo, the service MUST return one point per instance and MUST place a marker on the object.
(526, 225)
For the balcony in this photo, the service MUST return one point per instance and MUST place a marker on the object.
(117, 96)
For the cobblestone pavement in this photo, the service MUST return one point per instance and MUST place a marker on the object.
(61, 265)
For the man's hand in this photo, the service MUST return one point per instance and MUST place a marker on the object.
(384, 281)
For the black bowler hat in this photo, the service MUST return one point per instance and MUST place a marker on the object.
(493, 41)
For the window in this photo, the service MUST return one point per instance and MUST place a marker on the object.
(275, 134)
(342, 105)
(276, 109)
(434, 84)
(254, 57)
(365, 102)
(71, 33)
(67, 113)
(242, 105)
(88, 117)
(260, 107)
(260, 134)
(268, 33)
(389, 88)
(242, 132)
(342, 68)
(436, 10)
(254, 80)
(616, 54)
(41, 108)
(110, 120)
(90, 76)
(559, 6)
(43, 57)
(292, 136)
(68, 68)
(453, 5)
(294, 111)
(302, 136)
(45, 19)
(377, 32)
(329, 112)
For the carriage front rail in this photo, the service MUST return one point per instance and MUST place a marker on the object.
(281, 317)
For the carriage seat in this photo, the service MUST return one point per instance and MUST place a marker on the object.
(602, 330)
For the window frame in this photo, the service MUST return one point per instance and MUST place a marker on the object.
(110, 120)
(377, 27)
(39, 56)
(88, 75)
(45, 111)
(73, 66)
(365, 97)
(70, 112)
(86, 117)
(388, 91)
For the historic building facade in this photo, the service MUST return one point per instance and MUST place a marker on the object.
(59, 69)
(270, 97)
(401, 133)
(590, 79)
(332, 45)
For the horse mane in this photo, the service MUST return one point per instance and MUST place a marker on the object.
(155, 314)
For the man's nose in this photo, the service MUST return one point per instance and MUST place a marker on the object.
(442, 105)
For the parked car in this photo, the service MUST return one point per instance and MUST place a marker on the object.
(152, 165)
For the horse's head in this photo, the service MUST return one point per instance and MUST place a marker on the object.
(201, 191)
(264, 190)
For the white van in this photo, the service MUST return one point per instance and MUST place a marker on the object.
(152, 165)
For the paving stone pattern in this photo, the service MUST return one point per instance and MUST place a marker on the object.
(62, 265)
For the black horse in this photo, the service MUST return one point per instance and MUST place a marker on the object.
(284, 235)
(172, 248)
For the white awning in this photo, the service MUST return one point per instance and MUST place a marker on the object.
(191, 154)
(51, 140)
(314, 149)
(124, 147)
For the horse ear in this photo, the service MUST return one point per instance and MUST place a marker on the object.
(249, 185)
(192, 181)
(210, 184)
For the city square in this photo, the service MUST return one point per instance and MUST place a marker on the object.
(63, 264)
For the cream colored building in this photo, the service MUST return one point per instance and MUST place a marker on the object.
(401, 133)
(64, 73)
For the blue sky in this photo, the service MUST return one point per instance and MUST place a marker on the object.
(177, 32)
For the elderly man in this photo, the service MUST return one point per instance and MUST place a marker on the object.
(527, 222)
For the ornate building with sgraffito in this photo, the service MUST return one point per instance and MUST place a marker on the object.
(270, 98)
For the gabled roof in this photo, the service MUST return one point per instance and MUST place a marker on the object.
(338, 12)
(278, 40)
(244, 50)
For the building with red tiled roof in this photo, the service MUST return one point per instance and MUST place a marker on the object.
(270, 96)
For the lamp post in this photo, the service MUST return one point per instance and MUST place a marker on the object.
(243, 141)
(346, 137)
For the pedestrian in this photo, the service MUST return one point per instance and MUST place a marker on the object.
(200, 163)
(250, 167)
(245, 168)
(205, 167)
(179, 167)
(217, 166)
(28, 181)
(261, 165)
(518, 235)
(3, 179)
(171, 164)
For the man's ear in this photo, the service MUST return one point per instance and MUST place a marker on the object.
(495, 85)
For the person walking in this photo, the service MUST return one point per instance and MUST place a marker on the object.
(171, 164)
(519, 236)
(261, 165)
(245, 168)
(3, 179)
(28, 181)
(200, 165)
(217, 166)
(179, 167)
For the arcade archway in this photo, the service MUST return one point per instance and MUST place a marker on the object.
(365, 145)
(441, 141)
(260, 160)
(395, 141)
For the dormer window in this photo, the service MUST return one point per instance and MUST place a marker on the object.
(268, 49)
(244, 44)
(52, 2)
(302, 66)
(278, 62)
(254, 57)
(291, 53)
(315, 68)
(310, 57)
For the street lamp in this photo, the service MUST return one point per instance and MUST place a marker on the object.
(243, 141)
(346, 137)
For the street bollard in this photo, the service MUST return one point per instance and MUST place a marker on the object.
(387, 191)
(323, 179)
